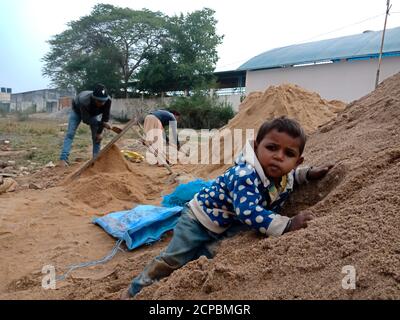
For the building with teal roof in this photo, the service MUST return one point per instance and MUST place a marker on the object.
(341, 68)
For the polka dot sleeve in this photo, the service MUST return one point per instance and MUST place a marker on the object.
(247, 203)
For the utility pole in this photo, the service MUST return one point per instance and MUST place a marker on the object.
(388, 7)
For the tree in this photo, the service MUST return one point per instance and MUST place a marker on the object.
(188, 56)
(159, 74)
(195, 40)
(86, 71)
(111, 43)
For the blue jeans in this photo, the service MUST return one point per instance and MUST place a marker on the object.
(190, 241)
(73, 124)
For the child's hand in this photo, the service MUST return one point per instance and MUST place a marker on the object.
(300, 221)
(317, 173)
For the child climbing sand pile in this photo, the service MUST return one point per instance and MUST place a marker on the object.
(248, 195)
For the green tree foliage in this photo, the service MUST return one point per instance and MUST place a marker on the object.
(86, 71)
(109, 45)
(131, 50)
(202, 111)
(160, 74)
(188, 56)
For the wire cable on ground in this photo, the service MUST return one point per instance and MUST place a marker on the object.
(107, 258)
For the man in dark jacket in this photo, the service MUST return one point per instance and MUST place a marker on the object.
(87, 107)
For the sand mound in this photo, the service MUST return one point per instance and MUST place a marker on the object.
(54, 227)
(308, 108)
(285, 100)
(356, 222)
(110, 162)
(111, 179)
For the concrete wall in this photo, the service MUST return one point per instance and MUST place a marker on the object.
(53, 101)
(24, 102)
(5, 97)
(40, 101)
(233, 99)
(129, 108)
(346, 81)
(5, 102)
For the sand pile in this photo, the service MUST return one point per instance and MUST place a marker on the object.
(356, 209)
(110, 162)
(308, 108)
(110, 180)
(285, 100)
(54, 227)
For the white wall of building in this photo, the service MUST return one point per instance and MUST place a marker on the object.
(233, 99)
(345, 80)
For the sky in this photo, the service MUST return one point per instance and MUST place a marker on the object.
(250, 27)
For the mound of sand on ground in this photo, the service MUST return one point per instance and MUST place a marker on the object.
(112, 179)
(285, 100)
(356, 222)
(308, 108)
(54, 227)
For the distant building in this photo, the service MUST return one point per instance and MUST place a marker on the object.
(5, 99)
(46, 100)
(231, 87)
(341, 68)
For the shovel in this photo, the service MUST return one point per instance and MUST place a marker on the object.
(174, 176)
(163, 159)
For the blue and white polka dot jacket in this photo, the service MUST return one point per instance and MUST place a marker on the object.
(242, 193)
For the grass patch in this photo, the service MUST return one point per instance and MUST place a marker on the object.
(31, 127)
(83, 129)
(42, 140)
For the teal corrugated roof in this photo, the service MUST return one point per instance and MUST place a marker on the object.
(356, 46)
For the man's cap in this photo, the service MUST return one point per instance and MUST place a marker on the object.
(100, 93)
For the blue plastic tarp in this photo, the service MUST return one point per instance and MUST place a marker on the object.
(144, 224)
(185, 192)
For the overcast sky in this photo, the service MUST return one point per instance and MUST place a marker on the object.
(250, 27)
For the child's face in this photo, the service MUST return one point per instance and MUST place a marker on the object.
(278, 153)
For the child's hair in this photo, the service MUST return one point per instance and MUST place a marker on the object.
(283, 124)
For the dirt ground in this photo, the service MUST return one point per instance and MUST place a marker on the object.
(53, 227)
(356, 223)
